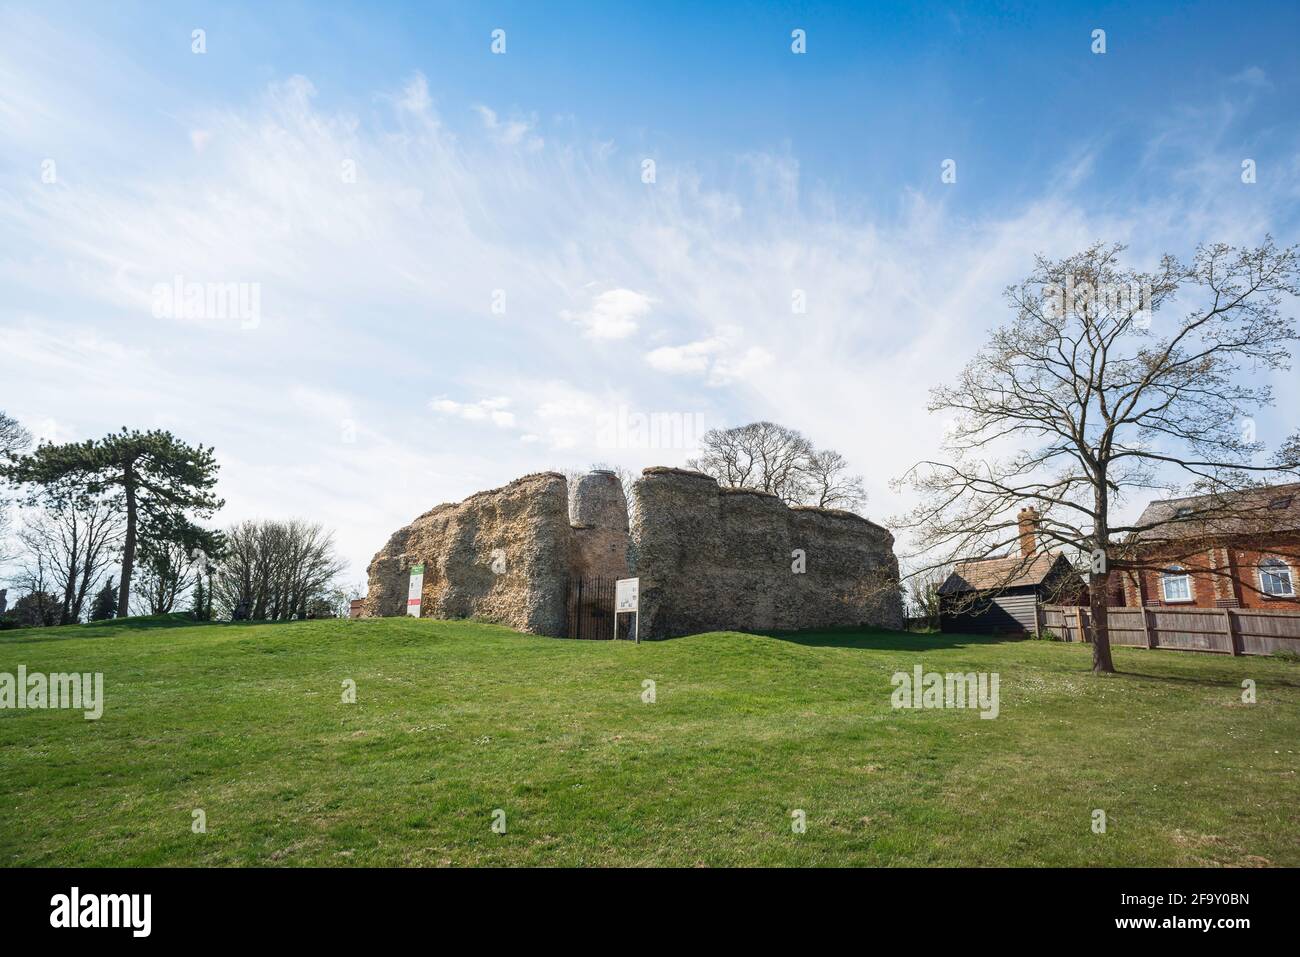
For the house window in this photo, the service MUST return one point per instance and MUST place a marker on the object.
(1275, 578)
(1176, 584)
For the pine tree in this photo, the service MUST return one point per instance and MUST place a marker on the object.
(105, 605)
(199, 610)
(160, 484)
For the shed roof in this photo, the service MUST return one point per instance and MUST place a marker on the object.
(1009, 571)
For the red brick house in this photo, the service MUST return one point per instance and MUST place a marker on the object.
(1240, 550)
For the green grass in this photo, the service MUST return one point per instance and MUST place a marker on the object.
(456, 719)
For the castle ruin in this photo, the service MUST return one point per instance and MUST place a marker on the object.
(709, 558)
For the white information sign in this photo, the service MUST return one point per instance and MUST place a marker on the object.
(626, 601)
(625, 594)
(414, 592)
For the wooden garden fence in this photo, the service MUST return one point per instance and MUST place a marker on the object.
(1225, 631)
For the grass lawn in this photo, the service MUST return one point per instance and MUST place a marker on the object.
(456, 719)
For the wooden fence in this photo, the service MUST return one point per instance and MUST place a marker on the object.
(1225, 631)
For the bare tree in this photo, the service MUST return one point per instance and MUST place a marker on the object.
(829, 482)
(240, 576)
(1096, 390)
(311, 567)
(339, 601)
(167, 571)
(275, 570)
(77, 540)
(760, 455)
(13, 437)
(779, 460)
(13, 440)
(922, 593)
(7, 549)
(37, 607)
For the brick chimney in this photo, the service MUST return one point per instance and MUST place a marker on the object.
(1028, 521)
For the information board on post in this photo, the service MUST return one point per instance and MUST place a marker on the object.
(627, 594)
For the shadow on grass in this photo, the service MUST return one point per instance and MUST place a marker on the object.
(110, 627)
(882, 640)
(1286, 681)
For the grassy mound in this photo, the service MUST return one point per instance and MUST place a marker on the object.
(454, 721)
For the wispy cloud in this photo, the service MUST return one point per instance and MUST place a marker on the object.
(512, 132)
(446, 306)
(493, 410)
(718, 360)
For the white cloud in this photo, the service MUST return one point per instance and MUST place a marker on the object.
(614, 314)
(1252, 76)
(740, 367)
(512, 132)
(491, 410)
(692, 358)
(377, 293)
(564, 415)
(717, 359)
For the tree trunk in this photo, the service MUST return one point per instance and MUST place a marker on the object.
(65, 612)
(70, 581)
(1099, 584)
(1098, 601)
(83, 587)
(128, 544)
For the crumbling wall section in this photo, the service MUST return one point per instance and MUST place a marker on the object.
(598, 515)
(711, 558)
(503, 555)
(708, 558)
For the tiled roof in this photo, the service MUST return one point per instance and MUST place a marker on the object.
(1011, 571)
(1273, 508)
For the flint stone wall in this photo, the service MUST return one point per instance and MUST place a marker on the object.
(598, 516)
(708, 558)
(711, 559)
(505, 555)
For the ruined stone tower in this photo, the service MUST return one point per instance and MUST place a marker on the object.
(709, 558)
(598, 516)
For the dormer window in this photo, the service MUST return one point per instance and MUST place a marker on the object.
(1281, 503)
(1183, 512)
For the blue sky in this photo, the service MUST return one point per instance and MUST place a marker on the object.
(379, 380)
(1010, 89)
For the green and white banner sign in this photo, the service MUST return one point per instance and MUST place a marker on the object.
(414, 592)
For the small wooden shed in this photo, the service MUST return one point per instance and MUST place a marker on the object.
(998, 595)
